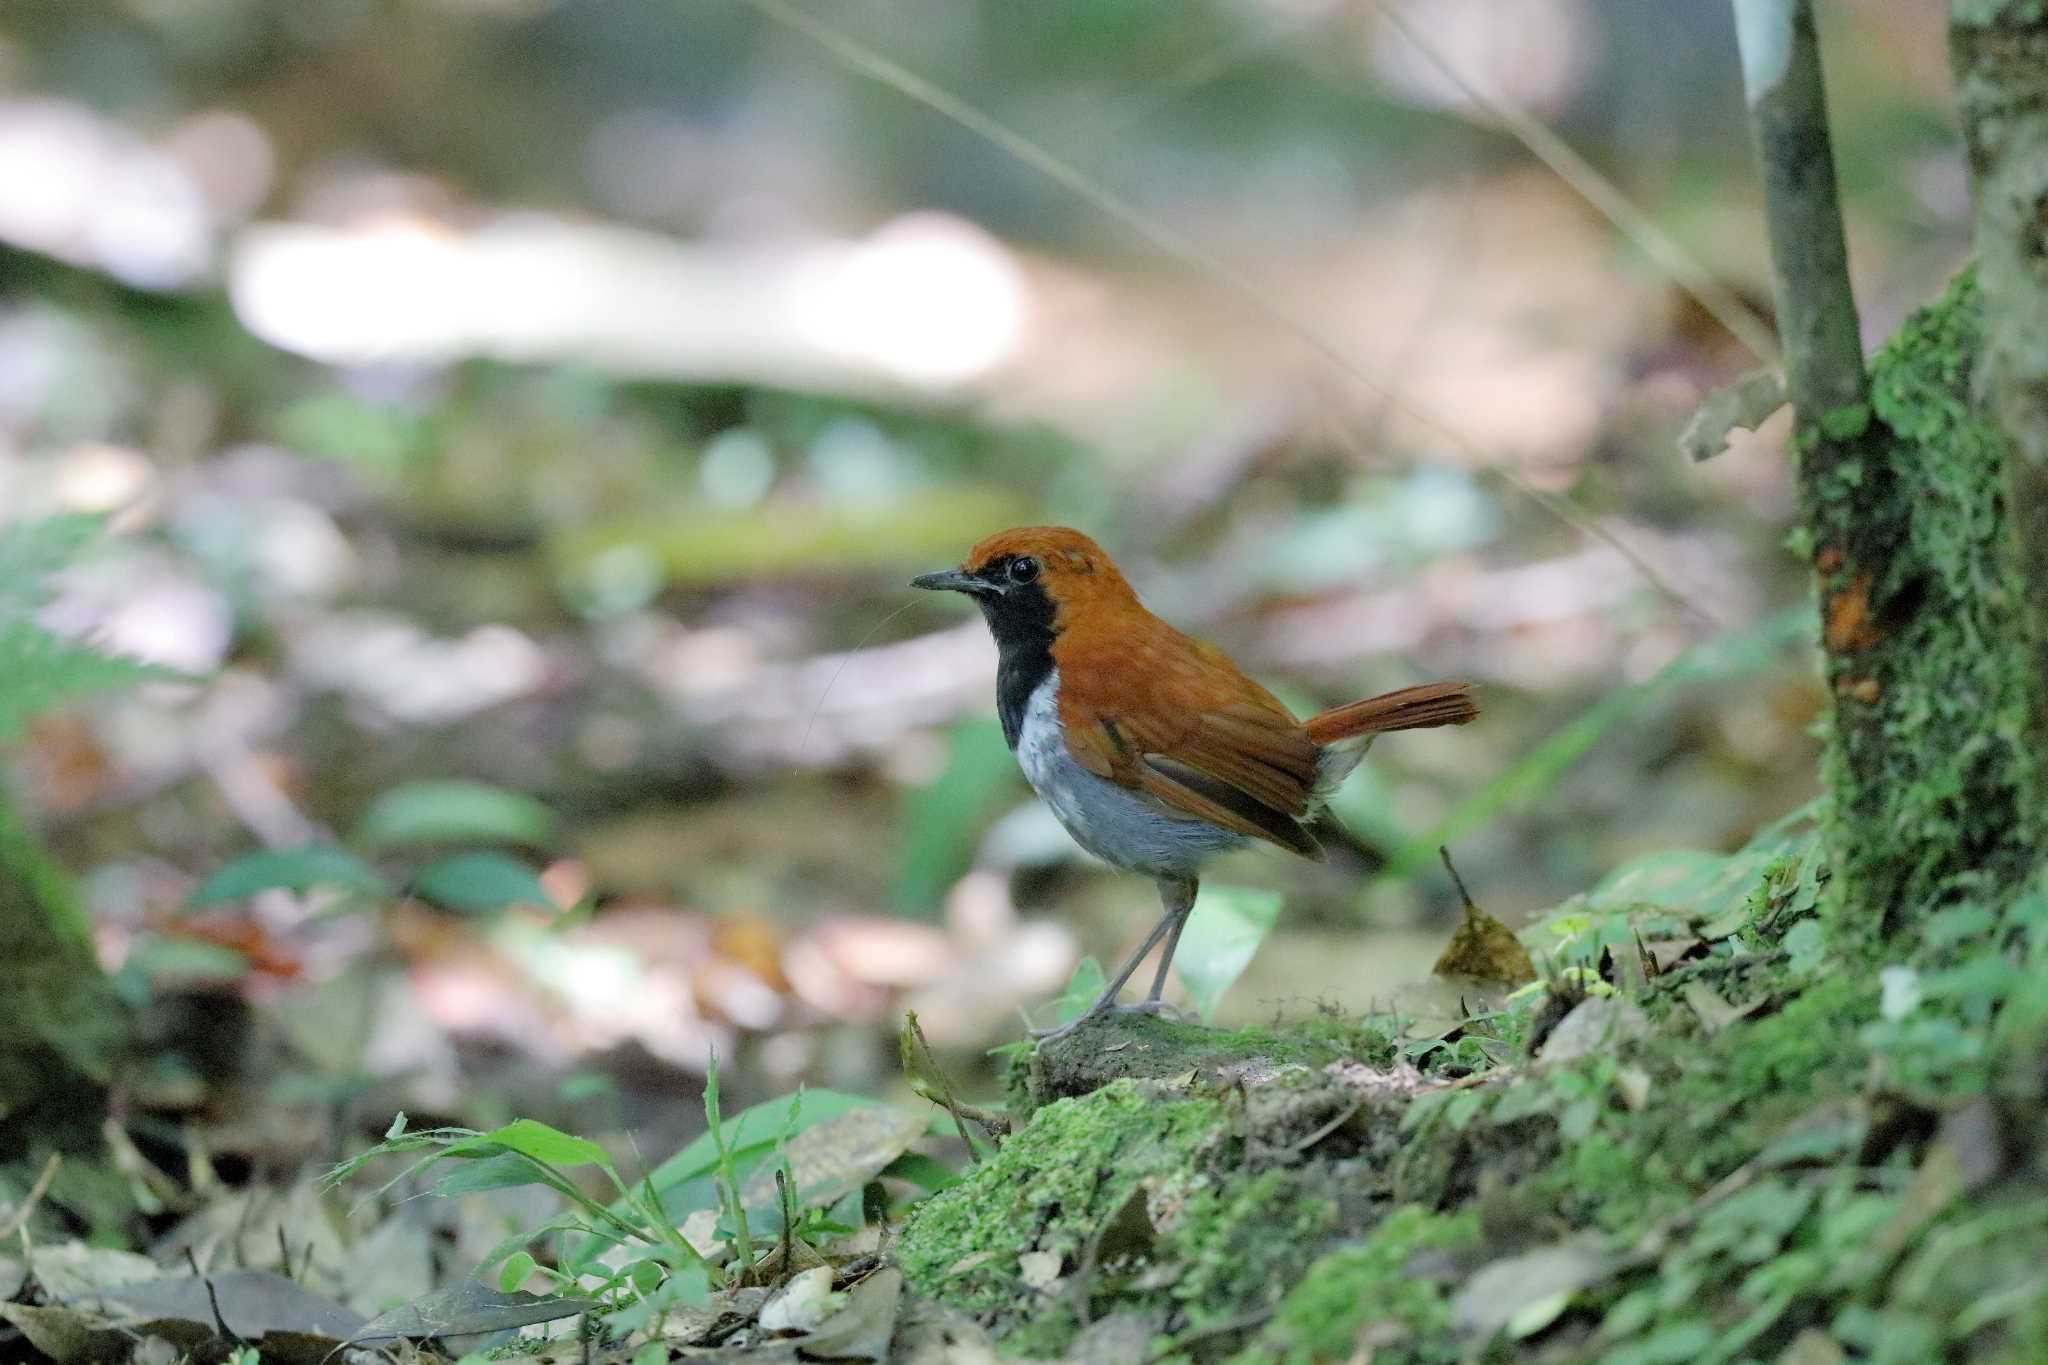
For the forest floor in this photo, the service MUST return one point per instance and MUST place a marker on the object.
(1701, 1136)
(1727, 1123)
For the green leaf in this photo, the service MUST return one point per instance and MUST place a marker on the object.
(505, 1171)
(599, 1242)
(289, 869)
(752, 1133)
(683, 1183)
(1084, 988)
(688, 1284)
(39, 671)
(481, 883)
(30, 553)
(535, 1139)
(159, 958)
(513, 1273)
(1227, 927)
(453, 811)
(927, 1173)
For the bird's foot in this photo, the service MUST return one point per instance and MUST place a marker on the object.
(1047, 1035)
(1150, 1007)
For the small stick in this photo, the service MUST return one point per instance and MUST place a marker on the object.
(1444, 851)
(784, 1197)
(212, 1299)
(18, 1221)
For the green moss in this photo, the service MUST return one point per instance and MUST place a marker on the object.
(1052, 1187)
(1930, 776)
(1224, 1240)
(1153, 1047)
(1240, 1244)
(1370, 1288)
(1847, 423)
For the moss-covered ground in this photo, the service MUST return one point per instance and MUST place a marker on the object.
(1742, 1119)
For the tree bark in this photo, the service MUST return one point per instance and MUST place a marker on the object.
(1999, 52)
(59, 1023)
(1903, 520)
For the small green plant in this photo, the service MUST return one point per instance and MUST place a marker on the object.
(527, 1152)
(39, 670)
(796, 1168)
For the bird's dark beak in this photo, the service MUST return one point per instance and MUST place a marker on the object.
(950, 580)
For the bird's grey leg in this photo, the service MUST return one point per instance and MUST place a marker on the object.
(1179, 898)
(1107, 1000)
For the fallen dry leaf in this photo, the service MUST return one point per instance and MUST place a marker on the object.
(831, 1160)
(1483, 949)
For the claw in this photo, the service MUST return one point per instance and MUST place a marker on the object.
(1047, 1035)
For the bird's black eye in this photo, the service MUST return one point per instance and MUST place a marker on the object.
(1023, 569)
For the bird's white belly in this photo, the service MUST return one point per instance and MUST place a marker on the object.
(1117, 825)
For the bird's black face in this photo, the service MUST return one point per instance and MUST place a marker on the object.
(999, 577)
(1011, 594)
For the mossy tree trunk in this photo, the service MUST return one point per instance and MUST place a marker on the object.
(1999, 50)
(1904, 522)
(59, 1023)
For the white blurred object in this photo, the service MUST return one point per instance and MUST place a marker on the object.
(1531, 54)
(171, 620)
(412, 676)
(929, 298)
(145, 605)
(299, 551)
(927, 302)
(96, 476)
(229, 158)
(85, 190)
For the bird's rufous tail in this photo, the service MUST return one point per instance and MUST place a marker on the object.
(1412, 708)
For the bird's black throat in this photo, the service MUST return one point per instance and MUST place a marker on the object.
(1021, 620)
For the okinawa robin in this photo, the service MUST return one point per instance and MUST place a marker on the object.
(1150, 746)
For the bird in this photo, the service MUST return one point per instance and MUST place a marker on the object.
(1152, 748)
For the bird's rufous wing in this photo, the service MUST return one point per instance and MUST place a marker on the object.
(1172, 717)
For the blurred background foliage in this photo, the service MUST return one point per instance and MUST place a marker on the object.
(556, 396)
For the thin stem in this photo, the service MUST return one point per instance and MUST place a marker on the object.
(1563, 160)
(1781, 76)
(858, 56)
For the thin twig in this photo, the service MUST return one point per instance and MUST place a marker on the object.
(918, 1062)
(1443, 851)
(859, 57)
(19, 1218)
(1781, 76)
(1193, 74)
(1328, 1128)
(212, 1299)
(1257, 1317)
(1721, 303)
(788, 1203)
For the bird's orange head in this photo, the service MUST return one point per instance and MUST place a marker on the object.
(1035, 578)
